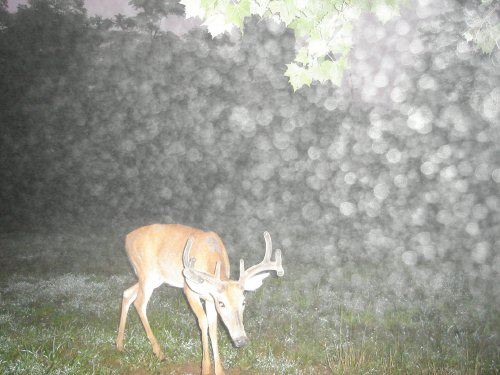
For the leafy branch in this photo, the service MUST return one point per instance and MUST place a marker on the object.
(323, 29)
(483, 26)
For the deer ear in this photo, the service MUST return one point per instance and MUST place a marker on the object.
(255, 282)
(196, 283)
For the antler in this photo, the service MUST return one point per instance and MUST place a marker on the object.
(196, 275)
(265, 265)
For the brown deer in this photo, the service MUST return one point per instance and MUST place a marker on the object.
(196, 261)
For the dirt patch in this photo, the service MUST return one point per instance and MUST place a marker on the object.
(188, 369)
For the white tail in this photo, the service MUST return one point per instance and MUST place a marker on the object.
(196, 261)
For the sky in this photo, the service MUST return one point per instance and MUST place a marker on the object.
(109, 8)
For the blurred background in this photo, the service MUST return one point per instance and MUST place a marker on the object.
(113, 122)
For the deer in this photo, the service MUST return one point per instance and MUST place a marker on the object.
(197, 262)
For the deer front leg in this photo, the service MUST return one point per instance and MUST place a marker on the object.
(212, 326)
(197, 307)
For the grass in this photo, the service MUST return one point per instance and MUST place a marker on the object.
(61, 322)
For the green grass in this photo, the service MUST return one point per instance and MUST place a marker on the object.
(55, 326)
(66, 323)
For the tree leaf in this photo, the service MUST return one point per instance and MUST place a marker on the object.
(302, 56)
(302, 26)
(298, 76)
(236, 13)
(217, 25)
(259, 7)
(329, 70)
(285, 9)
(193, 8)
(468, 36)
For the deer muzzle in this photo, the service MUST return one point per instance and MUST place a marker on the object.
(240, 341)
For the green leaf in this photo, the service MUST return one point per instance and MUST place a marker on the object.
(338, 71)
(486, 41)
(259, 7)
(298, 76)
(302, 26)
(468, 36)
(302, 56)
(207, 5)
(342, 47)
(323, 71)
(236, 13)
(329, 70)
(285, 9)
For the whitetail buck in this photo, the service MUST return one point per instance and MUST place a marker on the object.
(196, 261)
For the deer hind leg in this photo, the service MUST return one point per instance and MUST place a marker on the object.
(197, 307)
(129, 296)
(141, 303)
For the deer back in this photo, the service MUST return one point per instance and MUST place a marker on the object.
(155, 251)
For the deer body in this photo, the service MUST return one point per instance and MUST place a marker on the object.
(196, 261)
(155, 252)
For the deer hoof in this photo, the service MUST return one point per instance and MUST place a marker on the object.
(159, 354)
(119, 346)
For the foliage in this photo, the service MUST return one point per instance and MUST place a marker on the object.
(158, 7)
(138, 130)
(41, 42)
(100, 23)
(323, 29)
(483, 26)
(4, 14)
(152, 12)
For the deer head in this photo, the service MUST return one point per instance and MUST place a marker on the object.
(228, 295)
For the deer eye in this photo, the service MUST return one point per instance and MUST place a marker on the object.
(222, 305)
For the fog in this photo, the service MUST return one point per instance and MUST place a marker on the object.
(393, 177)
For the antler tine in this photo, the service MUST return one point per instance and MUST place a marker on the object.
(269, 246)
(266, 264)
(279, 268)
(217, 271)
(267, 255)
(242, 266)
(188, 262)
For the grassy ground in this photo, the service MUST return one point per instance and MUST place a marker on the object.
(64, 318)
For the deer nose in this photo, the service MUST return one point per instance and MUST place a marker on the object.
(240, 342)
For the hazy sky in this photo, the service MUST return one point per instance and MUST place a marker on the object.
(110, 8)
(107, 8)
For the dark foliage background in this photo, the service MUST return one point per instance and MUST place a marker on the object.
(112, 124)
